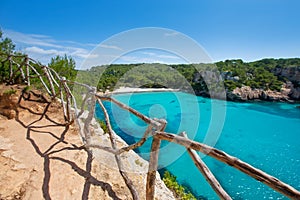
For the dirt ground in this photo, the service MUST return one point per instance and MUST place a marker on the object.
(41, 156)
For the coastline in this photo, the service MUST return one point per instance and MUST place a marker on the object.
(238, 95)
(124, 90)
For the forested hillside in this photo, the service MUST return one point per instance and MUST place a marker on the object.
(266, 79)
(264, 75)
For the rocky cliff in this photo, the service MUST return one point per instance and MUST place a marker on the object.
(292, 74)
(246, 93)
(290, 90)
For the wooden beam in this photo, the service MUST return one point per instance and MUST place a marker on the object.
(27, 70)
(244, 167)
(49, 80)
(68, 101)
(140, 142)
(146, 119)
(128, 182)
(83, 104)
(123, 149)
(209, 176)
(41, 78)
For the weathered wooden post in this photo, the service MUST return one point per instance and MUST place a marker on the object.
(127, 180)
(86, 128)
(68, 99)
(153, 163)
(41, 79)
(21, 69)
(9, 57)
(26, 61)
(49, 80)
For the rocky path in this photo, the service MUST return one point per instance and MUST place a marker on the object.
(41, 156)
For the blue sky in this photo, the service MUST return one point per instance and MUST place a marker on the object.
(226, 29)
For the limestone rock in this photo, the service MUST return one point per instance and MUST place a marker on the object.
(246, 93)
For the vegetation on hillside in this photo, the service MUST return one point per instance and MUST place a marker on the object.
(230, 73)
(254, 74)
(6, 44)
(63, 65)
(235, 73)
(8, 47)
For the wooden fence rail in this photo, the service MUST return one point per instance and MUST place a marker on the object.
(53, 82)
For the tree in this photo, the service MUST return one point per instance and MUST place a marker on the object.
(64, 66)
(6, 44)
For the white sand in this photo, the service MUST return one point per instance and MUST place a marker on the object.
(138, 90)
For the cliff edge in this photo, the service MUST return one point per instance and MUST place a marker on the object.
(41, 157)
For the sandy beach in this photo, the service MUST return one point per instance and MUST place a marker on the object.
(122, 90)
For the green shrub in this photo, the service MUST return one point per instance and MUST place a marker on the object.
(179, 191)
(103, 125)
(26, 89)
(10, 92)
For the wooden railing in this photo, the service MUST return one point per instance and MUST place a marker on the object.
(58, 87)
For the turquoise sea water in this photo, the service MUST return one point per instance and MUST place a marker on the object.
(266, 135)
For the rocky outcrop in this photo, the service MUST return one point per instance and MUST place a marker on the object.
(246, 93)
(293, 76)
(291, 73)
(8, 102)
(295, 93)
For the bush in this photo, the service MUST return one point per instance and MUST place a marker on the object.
(103, 125)
(179, 191)
(26, 89)
(10, 92)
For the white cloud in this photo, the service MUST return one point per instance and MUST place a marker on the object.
(78, 43)
(38, 50)
(110, 47)
(31, 39)
(44, 47)
(82, 53)
(39, 36)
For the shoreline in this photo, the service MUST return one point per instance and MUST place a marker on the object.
(126, 90)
